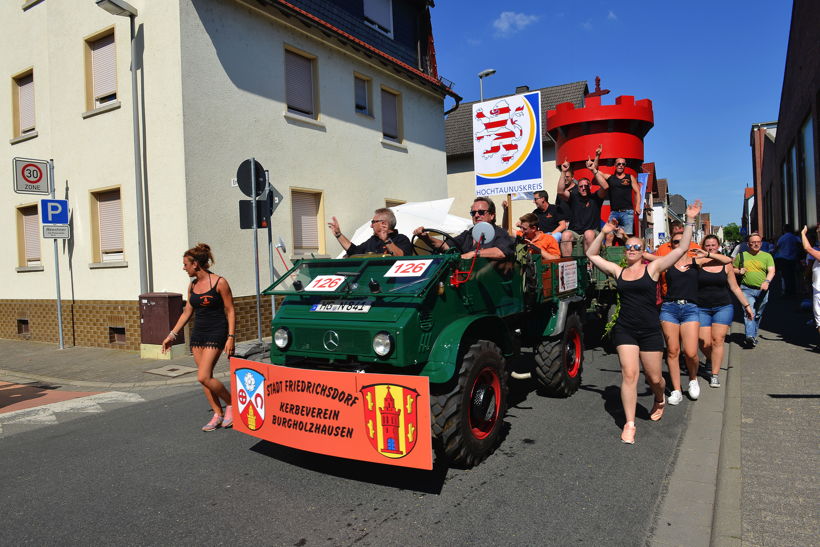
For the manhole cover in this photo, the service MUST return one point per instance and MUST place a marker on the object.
(172, 371)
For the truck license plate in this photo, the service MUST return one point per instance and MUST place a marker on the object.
(348, 306)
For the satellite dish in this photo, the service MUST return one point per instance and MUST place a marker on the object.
(483, 232)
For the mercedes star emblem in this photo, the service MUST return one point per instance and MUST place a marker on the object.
(331, 340)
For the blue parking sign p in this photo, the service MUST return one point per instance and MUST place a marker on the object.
(54, 211)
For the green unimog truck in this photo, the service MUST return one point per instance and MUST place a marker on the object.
(356, 325)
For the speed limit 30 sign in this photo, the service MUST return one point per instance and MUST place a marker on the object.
(31, 176)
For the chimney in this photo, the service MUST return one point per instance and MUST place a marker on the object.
(522, 89)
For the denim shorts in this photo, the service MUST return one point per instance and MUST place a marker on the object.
(721, 315)
(674, 312)
(626, 220)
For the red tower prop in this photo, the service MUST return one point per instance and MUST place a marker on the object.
(620, 128)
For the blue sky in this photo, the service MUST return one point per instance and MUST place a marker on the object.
(711, 69)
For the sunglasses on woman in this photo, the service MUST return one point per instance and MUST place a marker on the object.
(675, 241)
(635, 247)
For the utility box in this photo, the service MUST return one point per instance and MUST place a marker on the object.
(159, 312)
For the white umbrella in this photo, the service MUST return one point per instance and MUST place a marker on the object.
(409, 216)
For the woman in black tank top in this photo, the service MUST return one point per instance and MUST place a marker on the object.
(716, 280)
(637, 332)
(211, 303)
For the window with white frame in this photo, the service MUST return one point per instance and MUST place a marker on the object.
(305, 211)
(361, 89)
(391, 115)
(24, 121)
(29, 240)
(102, 55)
(109, 244)
(300, 90)
(379, 14)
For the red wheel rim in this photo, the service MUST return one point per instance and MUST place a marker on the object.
(484, 403)
(573, 353)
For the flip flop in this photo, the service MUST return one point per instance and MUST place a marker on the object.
(657, 410)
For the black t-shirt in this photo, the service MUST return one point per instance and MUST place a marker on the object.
(502, 241)
(620, 193)
(376, 245)
(585, 211)
(548, 220)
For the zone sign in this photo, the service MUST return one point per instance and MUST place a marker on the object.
(31, 176)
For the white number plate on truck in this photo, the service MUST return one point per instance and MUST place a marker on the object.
(349, 306)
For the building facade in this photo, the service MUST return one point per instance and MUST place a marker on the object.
(785, 153)
(340, 101)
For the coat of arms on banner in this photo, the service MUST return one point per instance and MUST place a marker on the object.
(507, 144)
(250, 397)
(390, 418)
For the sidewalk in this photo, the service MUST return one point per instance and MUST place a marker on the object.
(23, 361)
(768, 491)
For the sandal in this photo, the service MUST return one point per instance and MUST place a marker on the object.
(628, 434)
(657, 410)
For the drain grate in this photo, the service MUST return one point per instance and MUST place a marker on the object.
(171, 371)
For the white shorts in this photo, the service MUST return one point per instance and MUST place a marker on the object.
(816, 302)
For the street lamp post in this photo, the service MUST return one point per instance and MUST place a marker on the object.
(481, 75)
(124, 9)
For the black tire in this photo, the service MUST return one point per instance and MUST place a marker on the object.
(467, 421)
(559, 361)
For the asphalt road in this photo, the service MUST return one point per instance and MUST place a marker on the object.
(145, 474)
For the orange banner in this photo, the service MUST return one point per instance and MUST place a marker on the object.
(381, 418)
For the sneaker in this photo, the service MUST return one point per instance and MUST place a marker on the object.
(215, 422)
(754, 342)
(227, 421)
(657, 410)
(714, 382)
(675, 397)
(628, 434)
(694, 390)
(749, 342)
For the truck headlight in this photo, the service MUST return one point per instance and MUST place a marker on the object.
(281, 337)
(383, 344)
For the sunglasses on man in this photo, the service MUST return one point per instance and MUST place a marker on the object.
(478, 212)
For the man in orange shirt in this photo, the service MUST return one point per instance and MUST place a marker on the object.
(666, 248)
(537, 240)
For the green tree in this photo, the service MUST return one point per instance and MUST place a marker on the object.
(731, 232)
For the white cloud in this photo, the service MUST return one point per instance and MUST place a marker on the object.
(509, 22)
(586, 25)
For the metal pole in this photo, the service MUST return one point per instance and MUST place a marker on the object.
(256, 252)
(481, 88)
(270, 248)
(56, 261)
(138, 165)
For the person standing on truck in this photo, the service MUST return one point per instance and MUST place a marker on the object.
(482, 210)
(637, 332)
(211, 302)
(385, 238)
(624, 192)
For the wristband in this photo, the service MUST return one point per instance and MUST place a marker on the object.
(338, 235)
(231, 336)
(172, 335)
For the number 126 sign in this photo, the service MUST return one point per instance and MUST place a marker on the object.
(408, 268)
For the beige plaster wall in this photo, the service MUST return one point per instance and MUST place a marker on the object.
(234, 108)
(93, 152)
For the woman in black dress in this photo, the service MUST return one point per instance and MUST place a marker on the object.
(637, 332)
(211, 301)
